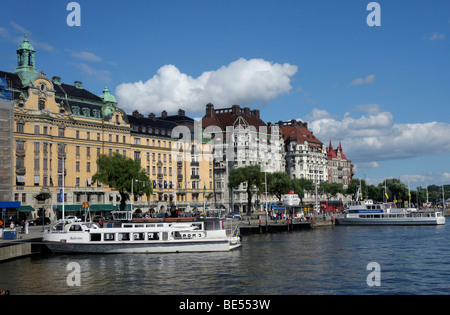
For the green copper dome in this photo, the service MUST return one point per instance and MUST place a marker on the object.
(26, 68)
(107, 97)
(26, 45)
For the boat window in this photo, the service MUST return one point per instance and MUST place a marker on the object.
(128, 225)
(139, 236)
(138, 225)
(96, 237)
(165, 236)
(160, 225)
(153, 236)
(75, 227)
(150, 225)
(124, 237)
(109, 236)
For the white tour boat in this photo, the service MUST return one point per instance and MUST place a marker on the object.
(159, 236)
(365, 212)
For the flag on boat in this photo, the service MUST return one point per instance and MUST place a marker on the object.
(387, 197)
(236, 231)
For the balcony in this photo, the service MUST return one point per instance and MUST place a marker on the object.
(20, 152)
(21, 171)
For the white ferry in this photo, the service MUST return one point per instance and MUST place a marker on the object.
(367, 213)
(146, 237)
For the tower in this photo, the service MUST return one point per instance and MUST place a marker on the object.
(26, 62)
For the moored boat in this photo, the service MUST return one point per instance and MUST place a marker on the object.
(207, 235)
(365, 212)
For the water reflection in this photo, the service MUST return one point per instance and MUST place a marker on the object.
(414, 260)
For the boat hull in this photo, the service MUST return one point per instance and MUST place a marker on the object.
(144, 248)
(390, 221)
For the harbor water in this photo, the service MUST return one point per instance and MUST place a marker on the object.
(411, 260)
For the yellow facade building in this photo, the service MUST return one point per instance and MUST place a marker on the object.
(60, 130)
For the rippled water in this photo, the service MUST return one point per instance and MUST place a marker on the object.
(413, 260)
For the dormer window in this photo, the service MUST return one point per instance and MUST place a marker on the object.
(76, 110)
(86, 112)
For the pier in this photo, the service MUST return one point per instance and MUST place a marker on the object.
(255, 225)
(24, 244)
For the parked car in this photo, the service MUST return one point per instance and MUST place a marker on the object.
(234, 215)
(38, 221)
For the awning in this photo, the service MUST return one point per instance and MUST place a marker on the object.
(26, 209)
(102, 207)
(70, 208)
(20, 178)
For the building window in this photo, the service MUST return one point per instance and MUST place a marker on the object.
(36, 129)
(77, 166)
(77, 134)
(41, 105)
(88, 167)
(19, 128)
(61, 132)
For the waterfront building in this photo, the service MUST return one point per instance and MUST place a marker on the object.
(178, 177)
(60, 129)
(340, 169)
(306, 156)
(241, 138)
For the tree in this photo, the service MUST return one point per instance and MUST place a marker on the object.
(118, 171)
(331, 189)
(302, 185)
(353, 188)
(396, 190)
(278, 184)
(251, 175)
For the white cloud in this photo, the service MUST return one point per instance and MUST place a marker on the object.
(435, 36)
(375, 137)
(102, 75)
(367, 80)
(85, 55)
(18, 39)
(241, 82)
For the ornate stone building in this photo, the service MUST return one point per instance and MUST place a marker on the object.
(60, 129)
(241, 138)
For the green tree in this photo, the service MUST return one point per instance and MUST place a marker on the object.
(251, 175)
(331, 189)
(302, 185)
(354, 186)
(118, 171)
(396, 190)
(278, 184)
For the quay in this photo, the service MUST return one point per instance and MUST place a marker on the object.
(255, 225)
(24, 244)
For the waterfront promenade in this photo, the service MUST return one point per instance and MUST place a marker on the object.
(23, 245)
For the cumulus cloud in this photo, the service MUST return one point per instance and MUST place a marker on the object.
(374, 136)
(367, 80)
(241, 82)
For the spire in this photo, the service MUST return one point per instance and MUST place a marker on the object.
(331, 146)
(26, 68)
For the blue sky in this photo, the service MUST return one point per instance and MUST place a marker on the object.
(382, 91)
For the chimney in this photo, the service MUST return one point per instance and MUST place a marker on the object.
(209, 110)
(56, 80)
(246, 110)
(78, 84)
(181, 112)
(235, 109)
(135, 113)
(164, 114)
(256, 113)
(152, 116)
